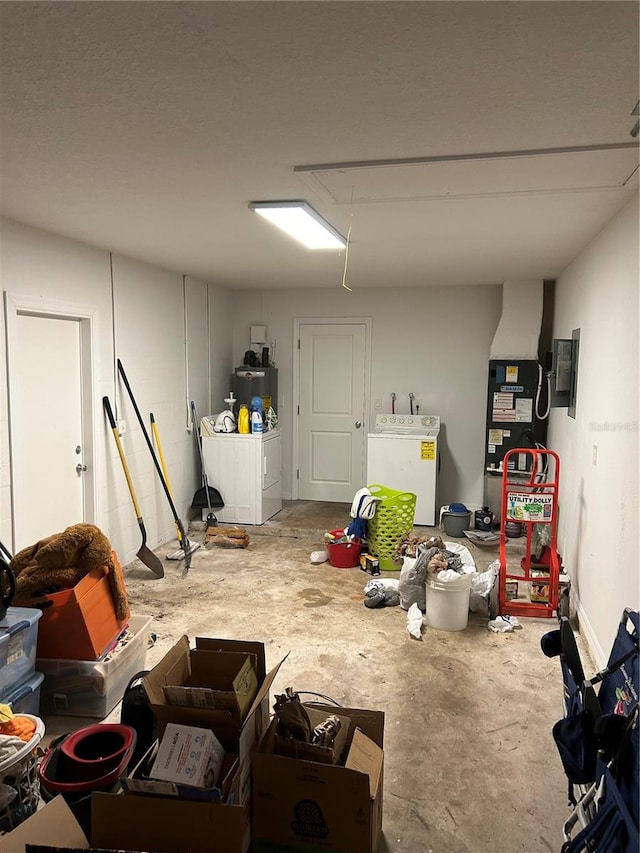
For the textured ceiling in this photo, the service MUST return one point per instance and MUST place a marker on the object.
(147, 128)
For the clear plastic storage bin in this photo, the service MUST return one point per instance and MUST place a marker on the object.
(93, 688)
(18, 641)
(25, 697)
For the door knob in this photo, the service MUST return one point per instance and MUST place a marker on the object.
(358, 424)
(80, 468)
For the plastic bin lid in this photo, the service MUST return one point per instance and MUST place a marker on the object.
(24, 688)
(20, 614)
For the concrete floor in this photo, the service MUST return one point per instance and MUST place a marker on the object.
(470, 763)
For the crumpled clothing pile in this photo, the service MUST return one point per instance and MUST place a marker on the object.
(442, 560)
(430, 551)
(9, 746)
(410, 545)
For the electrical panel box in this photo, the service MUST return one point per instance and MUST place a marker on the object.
(560, 378)
(563, 377)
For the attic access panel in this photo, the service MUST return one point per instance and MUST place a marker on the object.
(465, 176)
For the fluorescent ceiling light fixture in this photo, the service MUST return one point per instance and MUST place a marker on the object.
(300, 221)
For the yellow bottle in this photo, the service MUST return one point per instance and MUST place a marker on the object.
(243, 420)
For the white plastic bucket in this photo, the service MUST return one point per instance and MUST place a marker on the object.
(448, 603)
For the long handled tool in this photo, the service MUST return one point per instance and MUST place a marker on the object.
(7, 581)
(183, 538)
(207, 495)
(145, 554)
(193, 546)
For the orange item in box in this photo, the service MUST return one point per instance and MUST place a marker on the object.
(80, 623)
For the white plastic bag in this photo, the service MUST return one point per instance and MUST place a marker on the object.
(415, 621)
(318, 557)
(468, 563)
(412, 583)
(381, 583)
(481, 585)
(504, 624)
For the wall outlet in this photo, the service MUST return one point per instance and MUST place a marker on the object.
(378, 404)
(122, 427)
(594, 454)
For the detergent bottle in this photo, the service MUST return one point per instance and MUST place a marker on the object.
(257, 424)
(243, 420)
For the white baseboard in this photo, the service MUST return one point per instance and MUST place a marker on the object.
(595, 649)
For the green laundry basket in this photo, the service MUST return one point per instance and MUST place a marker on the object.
(391, 523)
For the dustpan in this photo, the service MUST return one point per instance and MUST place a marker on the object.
(200, 499)
(206, 496)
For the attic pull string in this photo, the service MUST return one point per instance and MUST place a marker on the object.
(346, 251)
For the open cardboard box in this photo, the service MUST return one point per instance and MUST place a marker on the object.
(301, 805)
(53, 824)
(237, 737)
(167, 825)
(213, 679)
(143, 822)
(312, 752)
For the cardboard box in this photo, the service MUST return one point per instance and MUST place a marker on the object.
(163, 824)
(370, 564)
(139, 781)
(301, 806)
(188, 755)
(237, 737)
(80, 623)
(511, 590)
(54, 827)
(53, 824)
(540, 586)
(213, 679)
(312, 752)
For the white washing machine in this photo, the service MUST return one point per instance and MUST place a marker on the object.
(402, 454)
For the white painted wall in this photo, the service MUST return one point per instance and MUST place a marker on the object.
(433, 341)
(598, 525)
(150, 331)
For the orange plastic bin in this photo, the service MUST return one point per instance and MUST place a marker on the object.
(80, 623)
(344, 555)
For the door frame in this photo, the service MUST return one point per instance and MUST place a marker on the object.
(87, 316)
(326, 321)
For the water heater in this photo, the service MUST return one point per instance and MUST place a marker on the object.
(256, 382)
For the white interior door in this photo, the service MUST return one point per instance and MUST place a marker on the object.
(331, 397)
(50, 457)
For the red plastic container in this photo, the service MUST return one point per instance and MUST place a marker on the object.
(344, 555)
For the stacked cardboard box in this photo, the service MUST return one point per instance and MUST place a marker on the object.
(221, 685)
(273, 794)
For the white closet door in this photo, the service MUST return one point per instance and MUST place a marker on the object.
(46, 418)
(331, 434)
